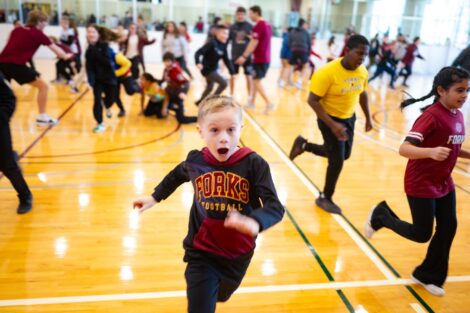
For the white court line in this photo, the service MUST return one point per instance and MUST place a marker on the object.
(242, 290)
(417, 308)
(355, 237)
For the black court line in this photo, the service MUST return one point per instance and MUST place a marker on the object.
(395, 272)
(320, 262)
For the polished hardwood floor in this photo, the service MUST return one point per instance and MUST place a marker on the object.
(83, 248)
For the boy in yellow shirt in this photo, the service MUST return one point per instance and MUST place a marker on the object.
(335, 90)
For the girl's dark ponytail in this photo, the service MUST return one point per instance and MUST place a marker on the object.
(446, 77)
(410, 101)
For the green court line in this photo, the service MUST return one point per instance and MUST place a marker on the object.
(395, 272)
(319, 260)
(317, 257)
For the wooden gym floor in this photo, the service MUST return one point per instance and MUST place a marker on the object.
(83, 249)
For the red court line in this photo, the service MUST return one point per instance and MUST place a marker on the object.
(45, 131)
(178, 126)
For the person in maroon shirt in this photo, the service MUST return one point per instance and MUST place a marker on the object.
(432, 147)
(260, 46)
(409, 59)
(20, 48)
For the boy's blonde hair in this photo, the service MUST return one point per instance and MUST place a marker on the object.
(35, 17)
(216, 103)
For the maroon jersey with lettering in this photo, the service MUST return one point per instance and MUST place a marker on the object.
(436, 127)
(23, 44)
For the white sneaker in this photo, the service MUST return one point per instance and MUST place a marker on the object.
(298, 85)
(99, 128)
(269, 108)
(108, 113)
(282, 84)
(368, 230)
(45, 120)
(250, 106)
(435, 290)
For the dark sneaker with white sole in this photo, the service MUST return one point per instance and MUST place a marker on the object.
(435, 290)
(373, 222)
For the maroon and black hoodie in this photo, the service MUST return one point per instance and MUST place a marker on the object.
(241, 183)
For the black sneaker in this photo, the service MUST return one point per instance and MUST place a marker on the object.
(327, 205)
(298, 147)
(25, 205)
(121, 114)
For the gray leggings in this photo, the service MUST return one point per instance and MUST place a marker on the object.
(211, 78)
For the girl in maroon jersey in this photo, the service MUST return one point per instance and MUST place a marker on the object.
(432, 147)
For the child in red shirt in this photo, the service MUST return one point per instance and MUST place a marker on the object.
(177, 87)
(432, 147)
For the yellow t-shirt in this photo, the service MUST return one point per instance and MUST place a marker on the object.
(339, 88)
(155, 92)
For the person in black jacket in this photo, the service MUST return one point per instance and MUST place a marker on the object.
(463, 59)
(300, 43)
(100, 66)
(211, 53)
(8, 158)
(235, 199)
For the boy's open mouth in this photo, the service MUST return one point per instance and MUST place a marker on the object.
(222, 151)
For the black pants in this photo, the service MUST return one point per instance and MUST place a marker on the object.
(176, 104)
(184, 66)
(335, 150)
(212, 78)
(435, 266)
(206, 286)
(385, 67)
(8, 165)
(130, 86)
(109, 98)
(154, 108)
(78, 62)
(64, 69)
(408, 70)
(135, 67)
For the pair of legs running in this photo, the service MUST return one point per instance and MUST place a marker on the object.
(23, 74)
(336, 151)
(432, 272)
(109, 92)
(212, 79)
(211, 280)
(8, 158)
